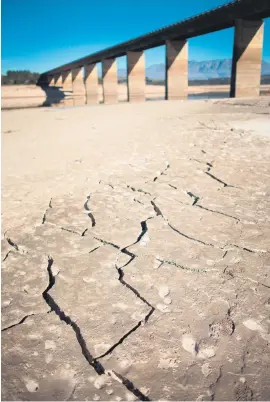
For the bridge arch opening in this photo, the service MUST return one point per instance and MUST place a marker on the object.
(100, 83)
(265, 73)
(155, 73)
(210, 64)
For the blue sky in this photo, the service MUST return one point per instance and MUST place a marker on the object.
(42, 34)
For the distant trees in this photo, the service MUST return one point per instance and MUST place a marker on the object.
(19, 77)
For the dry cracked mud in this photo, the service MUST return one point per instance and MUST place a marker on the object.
(136, 252)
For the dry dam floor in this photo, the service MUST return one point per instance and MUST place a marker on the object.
(136, 252)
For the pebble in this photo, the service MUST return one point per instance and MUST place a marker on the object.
(163, 291)
(206, 369)
(101, 381)
(206, 353)
(163, 308)
(48, 358)
(167, 300)
(50, 344)
(88, 279)
(189, 344)
(253, 325)
(31, 385)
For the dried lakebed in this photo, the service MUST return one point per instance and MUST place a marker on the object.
(136, 252)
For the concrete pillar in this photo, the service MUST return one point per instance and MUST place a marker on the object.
(43, 80)
(110, 85)
(58, 80)
(176, 69)
(68, 101)
(77, 82)
(91, 84)
(247, 58)
(67, 80)
(136, 76)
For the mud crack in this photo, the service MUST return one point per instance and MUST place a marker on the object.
(195, 203)
(180, 266)
(7, 254)
(18, 323)
(159, 212)
(189, 237)
(63, 317)
(16, 248)
(219, 180)
(163, 172)
(73, 231)
(45, 213)
(194, 197)
(217, 212)
(129, 385)
(93, 362)
(156, 209)
(121, 274)
(139, 190)
(89, 213)
(12, 243)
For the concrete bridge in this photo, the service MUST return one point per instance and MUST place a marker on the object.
(246, 16)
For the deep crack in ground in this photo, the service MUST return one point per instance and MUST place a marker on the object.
(93, 362)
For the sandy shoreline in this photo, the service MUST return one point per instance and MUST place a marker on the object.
(32, 96)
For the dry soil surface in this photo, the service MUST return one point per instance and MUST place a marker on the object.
(136, 252)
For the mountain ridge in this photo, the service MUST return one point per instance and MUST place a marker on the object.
(197, 70)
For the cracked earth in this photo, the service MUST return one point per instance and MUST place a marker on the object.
(136, 252)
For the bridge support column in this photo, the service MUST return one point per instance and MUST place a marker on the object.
(43, 80)
(176, 69)
(136, 76)
(78, 87)
(247, 58)
(67, 80)
(109, 76)
(91, 84)
(58, 80)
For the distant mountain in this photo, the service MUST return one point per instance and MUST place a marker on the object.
(197, 70)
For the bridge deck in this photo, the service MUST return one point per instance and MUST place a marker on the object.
(216, 19)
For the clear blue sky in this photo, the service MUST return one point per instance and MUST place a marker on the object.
(42, 34)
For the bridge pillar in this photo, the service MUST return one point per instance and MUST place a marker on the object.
(136, 76)
(78, 87)
(91, 84)
(176, 69)
(43, 80)
(109, 77)
(58, 80)
(247, 58)
(67, 80)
